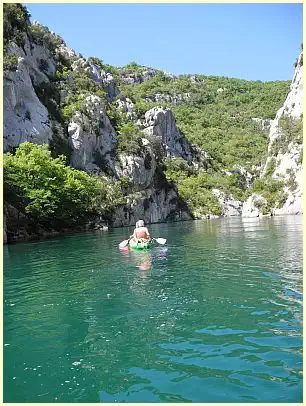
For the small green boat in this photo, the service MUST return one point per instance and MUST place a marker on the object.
(140, 245)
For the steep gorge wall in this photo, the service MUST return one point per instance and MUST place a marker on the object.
(92, 136)
(285, 153)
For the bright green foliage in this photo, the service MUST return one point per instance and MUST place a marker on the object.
(16, 20)
(218, 113)
(129, 139)
(291, 182)
(42, 36)
(200, 199)
(197, 189)
(228, 140)
(178, 168)
(133, 65)
(272, 190)
(10, 62)
(51, 192)
(271, 166)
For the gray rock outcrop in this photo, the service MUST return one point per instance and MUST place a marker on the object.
(98, 75)
(25, 117)
(230, 206)
(92, 138)
(127, 106)
(174, 99)
(160, 122)
(252, 207)
(139, 170)
(152, 205)
(132, 76)
(288, 164)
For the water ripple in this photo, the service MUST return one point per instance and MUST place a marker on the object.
(216, 316)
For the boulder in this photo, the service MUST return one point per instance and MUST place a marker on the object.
(229, 205)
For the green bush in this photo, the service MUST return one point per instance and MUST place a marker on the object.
(16, 22)
(10, 62)
(129, 139)
(41, 35)
(52, 193)
(291, 182)
(133, 65)
(271, 167)
(199, 198)
(272, 190)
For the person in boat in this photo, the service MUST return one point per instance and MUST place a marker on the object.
(141, 233)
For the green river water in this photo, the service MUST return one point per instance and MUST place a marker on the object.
(215, 316)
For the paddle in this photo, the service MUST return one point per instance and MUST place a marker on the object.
(124, 243)
(161, 241)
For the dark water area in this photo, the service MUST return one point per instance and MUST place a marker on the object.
(214, 316)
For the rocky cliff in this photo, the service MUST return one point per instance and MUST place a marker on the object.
(25, 117)
(156, 134)
(285, 153)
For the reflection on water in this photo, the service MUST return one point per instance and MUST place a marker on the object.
(216, 316)
(143, 259)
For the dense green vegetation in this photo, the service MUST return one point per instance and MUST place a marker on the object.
(218, 113)
(196, 188)
(273, 192)
(52, 193)
(215, 113)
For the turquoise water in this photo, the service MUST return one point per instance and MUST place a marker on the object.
(216, 316)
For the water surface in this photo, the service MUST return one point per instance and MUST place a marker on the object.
(216, 316)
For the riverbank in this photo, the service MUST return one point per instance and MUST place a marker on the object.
(24, 232)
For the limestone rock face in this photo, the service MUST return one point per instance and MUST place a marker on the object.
(288, 163)
(293, 205)
(92, 138)
(110, 86)
(139, 170)
(132, 76)
(160, 123)
(293, 105)
(98, 75)
(251, 208)
(25, 117)
(67, 52)
(229, 205)
(127, 106)
(151, 205)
